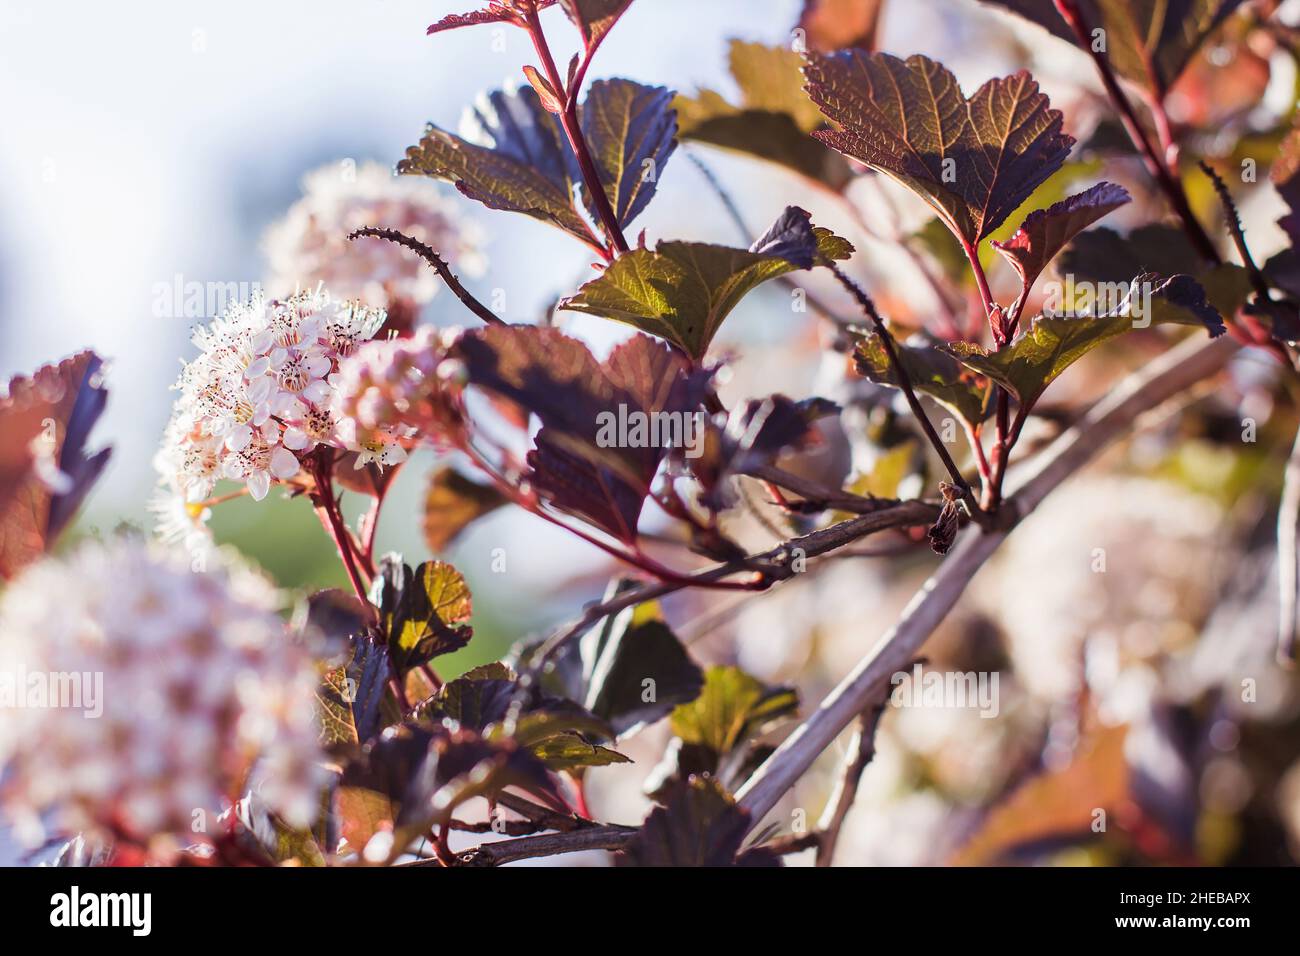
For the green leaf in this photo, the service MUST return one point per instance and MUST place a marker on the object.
(1149, 42)
(770, 80)
(512, 157)
(1034, 360)
(349, 700)
(452, 503)
(890, 468)
(931, 372)
(699, 825)
(425, 612)
(773, 119)
(1045, 232)
(682, 291)
(571, 751)
(283, 843)
(634, 671)
(631, 131)
(731, 708)
(974, 160)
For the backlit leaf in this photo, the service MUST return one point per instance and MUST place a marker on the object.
(682, 291)
(773, 119)
(931, 372)
(425, 611)
(1034, 360)
(512, 156)
(974, 160)
(594, 18)
(631, 130)
(731, 707)
(578, 464)
(571, 751)
(1063, 803)
(45, 470)
(1149, 42)
(452, 503)
(1046, 232)
(497, 11)
(350, 696)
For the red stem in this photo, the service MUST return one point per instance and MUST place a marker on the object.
(1155, 163)
(332, 521)
(577, 142)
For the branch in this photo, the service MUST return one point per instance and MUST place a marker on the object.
(820, 495)
(775, 564)
(1233, 219)
(439, 265)
(610, 837)
(1106, 421)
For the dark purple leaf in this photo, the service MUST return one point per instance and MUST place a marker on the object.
(699, 825)
(579, 400)
(1045, 232)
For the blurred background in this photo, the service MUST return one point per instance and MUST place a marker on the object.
(148, 147)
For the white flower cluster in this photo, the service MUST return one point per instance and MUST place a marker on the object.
(310, 246)
(141, 694)
(258, 399)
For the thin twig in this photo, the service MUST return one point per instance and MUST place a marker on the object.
(1110, 418)
(1230, 214)
(439, 265)
(819, 494)
(905, 386)
(775, 564)
(861, 749)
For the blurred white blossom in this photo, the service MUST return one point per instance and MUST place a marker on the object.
(310, 245)
(198, 684)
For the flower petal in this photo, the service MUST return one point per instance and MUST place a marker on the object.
(259, 483)
(237, 438)
(284, 464)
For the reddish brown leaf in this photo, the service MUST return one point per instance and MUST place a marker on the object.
(1045, 232)
(557, 379)
(831, 25)
(974, 160)
(44, 471)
